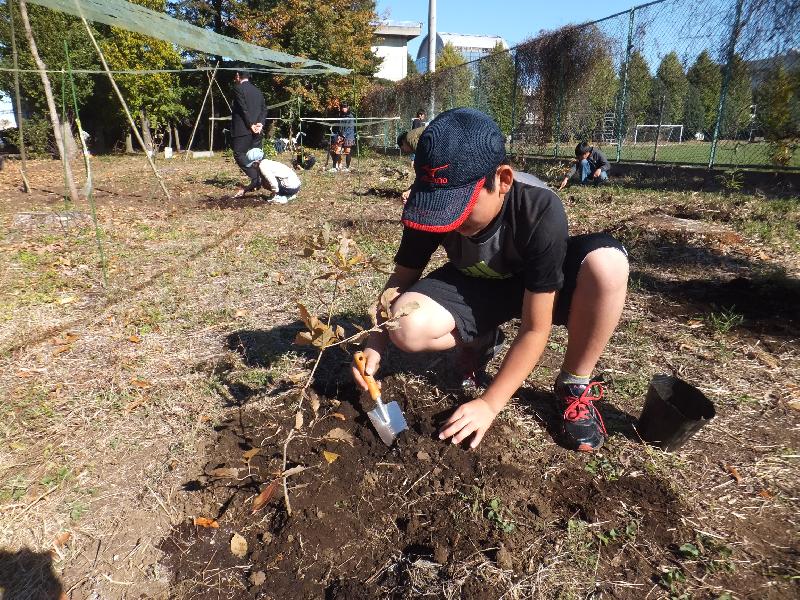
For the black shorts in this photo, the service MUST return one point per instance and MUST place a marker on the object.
(479, 305)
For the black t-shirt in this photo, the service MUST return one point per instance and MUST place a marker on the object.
(528, 238)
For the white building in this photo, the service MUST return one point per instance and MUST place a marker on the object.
(391, 44)
(471, 47)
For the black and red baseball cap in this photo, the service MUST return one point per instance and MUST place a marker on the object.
(454, 155)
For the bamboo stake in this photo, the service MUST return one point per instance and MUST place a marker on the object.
(200, 113)
(22, 152)
(89, 187)
(211, 122)
(51, 105)
(124, 106)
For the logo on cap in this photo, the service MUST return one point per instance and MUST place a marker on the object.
(430, 174)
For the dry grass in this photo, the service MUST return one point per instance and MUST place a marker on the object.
(111, 393)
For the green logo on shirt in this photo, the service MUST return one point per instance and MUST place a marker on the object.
(484, 271)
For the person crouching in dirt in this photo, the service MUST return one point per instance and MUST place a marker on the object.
(510, 256)
(590, 165)
(407, 142)
(278, 177)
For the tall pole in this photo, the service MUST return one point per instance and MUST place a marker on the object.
(623, 96)
(432, 53)
(21, 137)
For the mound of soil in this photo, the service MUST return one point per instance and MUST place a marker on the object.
(367, 524)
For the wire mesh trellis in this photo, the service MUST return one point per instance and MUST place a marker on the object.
(696, 82)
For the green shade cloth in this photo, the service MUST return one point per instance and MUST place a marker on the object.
(139, 19)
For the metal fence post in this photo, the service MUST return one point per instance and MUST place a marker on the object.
(623, 95)
(726, 79)
(514, 99)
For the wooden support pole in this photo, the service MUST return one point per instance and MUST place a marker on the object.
(72, 190)
(211, 121)
(23, 155)
(200, 113)
(124, 106)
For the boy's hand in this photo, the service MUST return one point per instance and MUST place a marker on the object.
(563, 184)
(473, 417)
(597, 173)
(373, 363)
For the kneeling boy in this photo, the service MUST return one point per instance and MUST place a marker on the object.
(591, 166)
(276, 176)
(510, 256)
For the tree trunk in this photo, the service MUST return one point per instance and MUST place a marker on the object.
(147, 136)
(169, 136)
(51, 105)
(177, 139)
(128, 143)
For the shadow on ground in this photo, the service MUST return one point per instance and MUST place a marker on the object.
(28, 575)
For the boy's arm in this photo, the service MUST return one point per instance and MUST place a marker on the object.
(604, 164)
(523, 355)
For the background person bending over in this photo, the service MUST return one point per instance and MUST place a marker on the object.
(247, 125)
(590, 164)
(277, 176)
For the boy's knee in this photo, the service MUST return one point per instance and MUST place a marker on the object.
(608, 267)
(411, 336)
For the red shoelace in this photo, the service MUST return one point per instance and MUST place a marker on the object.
(578, 408)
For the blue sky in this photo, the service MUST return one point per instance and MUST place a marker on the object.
(513, 20)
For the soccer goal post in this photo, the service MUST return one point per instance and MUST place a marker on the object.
(664, 133)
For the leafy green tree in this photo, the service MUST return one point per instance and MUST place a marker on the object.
(50, 30)
(774, 104)
(154, 98)
(640, 83)
(495, 88)
(411, 66)
(669, 89)
(700, 106)
(739, 100)
(595, 97)
(338, 32)
(453, 79)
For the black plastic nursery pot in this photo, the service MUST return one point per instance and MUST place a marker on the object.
(673, 412)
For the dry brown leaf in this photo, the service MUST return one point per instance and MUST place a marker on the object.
(250, 454)
(68, 338)
(135, 339)
(136, 403)
(293, 471)
(388, 296)
(206, 522)
(734, 473)
(330, 456)
(204, 419)
(315, 403)
(766, 494)
(141, 383)
(240, 313)
(298, 420)
(62, 538)
(238, 546)
(303, 338)
(337, 434)
(338, 415)
(65, 300)
(261, 500)
(225, 473)
(279, 278)
(61, 349)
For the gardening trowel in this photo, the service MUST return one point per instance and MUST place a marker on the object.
(387, 418)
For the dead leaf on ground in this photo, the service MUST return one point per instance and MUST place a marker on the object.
(298, 420)
(62, 538)
(315, 403)
(250, 454)
(238, 546)
(65, 300)
(240, 313)
(279, 278)
(134, 339)
(61, 349)
(68, 338)
(141, 383)
(258, 578)
(337, 434)
(766, 494)
(734, 473)
(338, 415)
(330, 456)
(225, 473)
(206, 522)
(263, 497)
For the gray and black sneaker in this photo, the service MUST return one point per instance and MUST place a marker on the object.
(476, 355)
(582, 427)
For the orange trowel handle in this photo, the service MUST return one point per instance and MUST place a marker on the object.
(361, 364)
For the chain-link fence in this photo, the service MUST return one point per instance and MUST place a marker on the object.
(698, 82)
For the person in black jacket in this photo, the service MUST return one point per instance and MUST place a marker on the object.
(249, 114)
(590, 164)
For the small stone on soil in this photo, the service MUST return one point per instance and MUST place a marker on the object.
(422, 455)
(258, 578)
(504, 558)
(441, 555)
